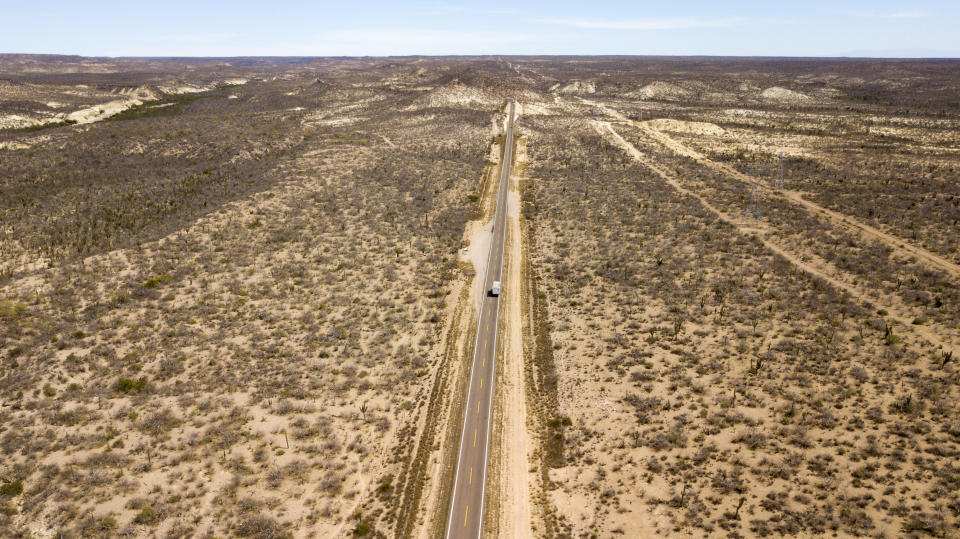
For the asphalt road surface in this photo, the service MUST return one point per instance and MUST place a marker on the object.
(466, 506)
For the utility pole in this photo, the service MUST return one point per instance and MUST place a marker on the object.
(755, 195)
(778, 184)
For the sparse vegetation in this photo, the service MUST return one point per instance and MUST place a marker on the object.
(237, 311)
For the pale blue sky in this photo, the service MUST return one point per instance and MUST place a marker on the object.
(345, 27)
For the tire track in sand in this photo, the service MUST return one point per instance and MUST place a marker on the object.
(813, 265)
(842, 221)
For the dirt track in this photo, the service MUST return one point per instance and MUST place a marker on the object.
(808, 263)
(845, 222)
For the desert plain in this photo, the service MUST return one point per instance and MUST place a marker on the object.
(238, 296)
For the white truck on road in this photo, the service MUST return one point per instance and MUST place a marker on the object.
(495, 291)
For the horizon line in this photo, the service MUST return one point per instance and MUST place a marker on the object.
(482, 55)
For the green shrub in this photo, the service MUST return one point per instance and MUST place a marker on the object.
(38, 127)
(11, 311)
(11, 489)
(147, 515)
(156, 281)
(363, 529)
(130, 386)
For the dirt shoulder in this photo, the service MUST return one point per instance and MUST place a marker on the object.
(509, 507)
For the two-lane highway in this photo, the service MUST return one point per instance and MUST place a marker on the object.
(466, 505)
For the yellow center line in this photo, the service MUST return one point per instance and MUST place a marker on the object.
(478, 407)
(481, 382)
(471, 477)
(474, 437)
(465, 513)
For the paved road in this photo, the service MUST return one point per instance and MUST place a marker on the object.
(466, 507)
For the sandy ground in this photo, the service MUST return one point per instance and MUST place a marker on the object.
(515, 443)
(102, 111)
(480, 236)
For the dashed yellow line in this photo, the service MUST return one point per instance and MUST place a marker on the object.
(478, 407)
(471, 477)
(465, 513)
(474, 437)
(481, 382)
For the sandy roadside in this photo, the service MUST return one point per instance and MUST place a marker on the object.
(513, 490)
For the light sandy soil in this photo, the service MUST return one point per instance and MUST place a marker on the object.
(783, 95)
(432, 503)
(102, 111)
(455, 94)
(130, 97)
(694, 128)
(304, 344)
(478, 247)
(16, 121)
(576, 87)
(617, 483)
(186, 89)
(264, 422)
(303, 427)
(513, 453)
(660, 90)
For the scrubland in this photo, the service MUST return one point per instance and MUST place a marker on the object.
(241, 306)
(222, 313)
(740, 364)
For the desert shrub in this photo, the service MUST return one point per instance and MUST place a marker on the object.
(97, 526)
(159, 422)
(147, 515)
(129, 386)
(261, 526)
(13, 488)
(362, 529)
(673, 437)
(927, 523)
(154, 282)
(11, 311)
(752, 438)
